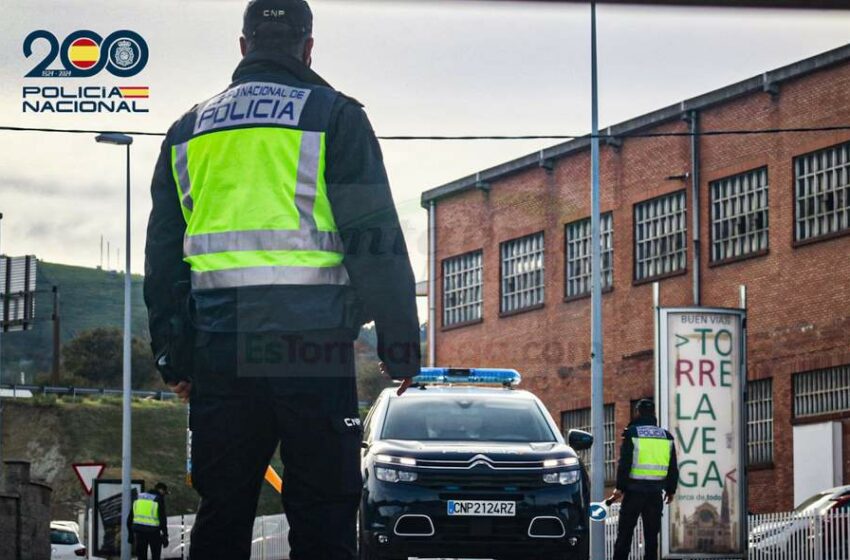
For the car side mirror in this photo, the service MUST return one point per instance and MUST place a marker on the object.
(579, 440)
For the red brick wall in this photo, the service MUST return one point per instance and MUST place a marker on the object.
(799, 307)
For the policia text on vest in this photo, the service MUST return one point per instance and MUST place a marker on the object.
(646, 474)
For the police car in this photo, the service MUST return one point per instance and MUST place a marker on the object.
(465, 465)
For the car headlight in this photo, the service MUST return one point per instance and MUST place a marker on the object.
(385, 474)
(562, 477)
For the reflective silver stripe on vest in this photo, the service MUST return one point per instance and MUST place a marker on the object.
(262, 240)
(181, 164)
(308, 172)
(651, 477)
(269, 276)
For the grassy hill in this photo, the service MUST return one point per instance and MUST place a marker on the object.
(53, 434)
(88, 298)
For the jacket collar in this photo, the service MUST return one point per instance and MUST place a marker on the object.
(258, 62)
(644, 421)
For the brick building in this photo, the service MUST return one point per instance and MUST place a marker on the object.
(510, 251)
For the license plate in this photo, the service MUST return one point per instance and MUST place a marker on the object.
(481, 508)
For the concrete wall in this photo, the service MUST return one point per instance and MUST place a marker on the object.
(24, 515)
(799, 309)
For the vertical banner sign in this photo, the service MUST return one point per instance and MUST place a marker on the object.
(701, 386)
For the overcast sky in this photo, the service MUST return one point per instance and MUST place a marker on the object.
(419, 67)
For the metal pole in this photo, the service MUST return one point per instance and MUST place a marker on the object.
(2, 326)
(126, 457)
(597, 457)
(693, 124)
(57, 345)
(432, 284)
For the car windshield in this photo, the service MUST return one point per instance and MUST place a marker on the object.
(58, 536)
(465, 418)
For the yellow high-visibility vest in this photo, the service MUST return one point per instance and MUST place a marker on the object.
(652, 454)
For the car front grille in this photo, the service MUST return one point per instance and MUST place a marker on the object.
(488, 480)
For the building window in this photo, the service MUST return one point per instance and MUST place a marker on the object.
(462, 288)
(660, 236)
(822, 182)
(739, 215)
(522, 273)
(580, 420)
(578, 255)
(760, 422)
(822, 391)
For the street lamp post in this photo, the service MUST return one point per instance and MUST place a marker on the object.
(126, 459)
(597, 407)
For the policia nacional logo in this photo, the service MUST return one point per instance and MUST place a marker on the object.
(85, 54)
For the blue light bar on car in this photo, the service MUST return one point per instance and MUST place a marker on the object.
(477, 376)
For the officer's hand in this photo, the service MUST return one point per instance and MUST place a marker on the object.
(615, 496)
(668, 498)
(406, 382)
(182, 389)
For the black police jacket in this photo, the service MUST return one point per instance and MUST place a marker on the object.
(625, 482)
(376, 258)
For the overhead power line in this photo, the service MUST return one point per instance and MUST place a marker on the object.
(443, 138)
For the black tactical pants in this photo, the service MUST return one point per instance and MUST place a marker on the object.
(303, 395)
(648, 506)
(147, 540)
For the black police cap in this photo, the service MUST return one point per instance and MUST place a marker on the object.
(645, 405)
(283, 16)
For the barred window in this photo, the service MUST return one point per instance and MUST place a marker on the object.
(462, 288)
(578, 255)
(822, 182)
(822, 391)
(739, 215)
(760, 422)
(660, 236)
(580, 420)
(522, 273)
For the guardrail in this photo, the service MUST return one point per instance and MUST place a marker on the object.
(74, 392)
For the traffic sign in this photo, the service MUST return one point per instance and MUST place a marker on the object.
(87, 473)
(598, 511)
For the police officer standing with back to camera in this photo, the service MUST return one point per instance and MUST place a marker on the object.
(647, 476)
(148, 522)
(273, 238)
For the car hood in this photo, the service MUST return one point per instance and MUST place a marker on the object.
(465, 451)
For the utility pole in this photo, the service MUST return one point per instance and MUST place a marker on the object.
(57, 346)
(597, 403)
(5, 300)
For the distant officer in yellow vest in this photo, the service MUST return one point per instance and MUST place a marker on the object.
(148, 523)
(647, 476)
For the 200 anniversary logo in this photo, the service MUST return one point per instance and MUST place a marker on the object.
(85, 54)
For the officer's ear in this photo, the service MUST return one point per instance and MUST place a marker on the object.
(307, 55)
(243, 45)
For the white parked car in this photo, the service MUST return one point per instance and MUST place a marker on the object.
(65, 541)
(791, 536)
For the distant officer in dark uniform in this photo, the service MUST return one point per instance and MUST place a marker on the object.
(272, 239)
(647, 476)
(148, 522)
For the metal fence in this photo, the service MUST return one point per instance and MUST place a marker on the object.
(269, 541)
(774, 536)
